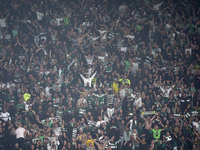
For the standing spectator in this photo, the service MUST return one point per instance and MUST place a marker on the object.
(5, 116)
(20, 133)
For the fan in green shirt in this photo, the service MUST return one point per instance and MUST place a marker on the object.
(125, 80)
(140, 129)
(100, 98)
(127, 65)
(48, 122)
(20, 105)
(26, 96)
(156, 133)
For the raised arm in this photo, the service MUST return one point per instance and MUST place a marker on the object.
(5, 66)
(86, 34)
(75, 26)
(85, 116)
(98, 145)
(107, 142)
(153, 118)
(105, 27)
(117, 75)
(93, 75)
(104, 89)
(7, 15)
(33, 101)
(82, 77)
(39, 121)
(144, 119)
(82, 3)
(121, 28)
(3, 58)
(57, 121)
(38, 50)
(128, 124)
(96, 28)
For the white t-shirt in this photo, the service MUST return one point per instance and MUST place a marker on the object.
(99, 123)
(26, 106)
(89, 60)
(196, 124)
(122, 8)
(138, 102)
(167, 92)
(110, 112)
(47, 91)
(2, 86)
(3, 22)
(156, 7)
(131, 124)
(135, 66)
(5, 116)
(20, 132)
(58, 21)
(124, 49)
(122, 93)
(57, 131)
(188, 49)
(132, 37)
(81, 100)
(94, 38)
(39, 15)
(86, 24)
(102, 58)
(102, 32)
(88, 80)
(10, 85)
(168, 26)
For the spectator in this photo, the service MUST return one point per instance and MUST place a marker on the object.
(20, 135)
(5, 116)
(97, 69)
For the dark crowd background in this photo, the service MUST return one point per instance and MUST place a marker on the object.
(99, 74)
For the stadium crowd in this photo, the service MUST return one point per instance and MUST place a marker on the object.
(99, 75)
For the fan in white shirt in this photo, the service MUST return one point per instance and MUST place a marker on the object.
(89, 59)
(86, 24)
(187, 48)
(195, 123)
(10, 85)
(138, 101)
(103, 32)
(132, 37)
(39, 14)
(81, 100)
(52, 118)
(47, 90)
(156, 7)
(87, 79)
(99, 122)
(123, 49)
(110, 111)
(165, 91)
(123, 7)
(5, 116)
(135, 64)
(90, 70)
(20, 132)
(27, 104)
(3, 20)
(58, 20)
(2, 85)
